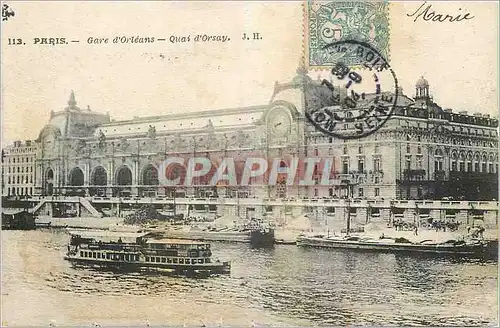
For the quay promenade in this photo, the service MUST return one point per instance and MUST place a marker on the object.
(320, 214)
(327, 211)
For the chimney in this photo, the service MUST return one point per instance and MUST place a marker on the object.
(463, 112)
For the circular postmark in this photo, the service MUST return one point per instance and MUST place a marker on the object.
(356, 100)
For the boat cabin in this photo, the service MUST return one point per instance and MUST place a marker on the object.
(107, 237)
(177, 251)
(127, 247)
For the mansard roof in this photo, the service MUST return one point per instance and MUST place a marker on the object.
(171, 123)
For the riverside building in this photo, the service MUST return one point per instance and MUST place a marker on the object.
(18, 168)
(423, 151)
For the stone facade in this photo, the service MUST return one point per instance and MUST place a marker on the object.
(18, 168)
(423, 151)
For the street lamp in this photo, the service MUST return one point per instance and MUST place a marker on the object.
(368, 213)
(391, 212)
(348, 224)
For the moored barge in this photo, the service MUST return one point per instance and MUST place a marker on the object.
(138, 251)
(254, 232)
(473, 247)
(15, 219)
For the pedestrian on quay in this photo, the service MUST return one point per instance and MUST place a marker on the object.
(480, 232)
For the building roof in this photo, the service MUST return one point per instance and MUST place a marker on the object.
(13, 211)
(401, 101)
(422, 82)
(181, 122)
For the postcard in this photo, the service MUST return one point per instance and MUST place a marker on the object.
(249, 164)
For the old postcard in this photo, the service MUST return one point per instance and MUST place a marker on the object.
(249, 164)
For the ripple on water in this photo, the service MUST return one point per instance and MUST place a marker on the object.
(322, 287)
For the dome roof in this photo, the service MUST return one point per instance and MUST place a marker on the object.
(422, 82)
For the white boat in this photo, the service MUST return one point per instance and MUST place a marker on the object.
(128, 250)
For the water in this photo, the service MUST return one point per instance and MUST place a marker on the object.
(284, 286)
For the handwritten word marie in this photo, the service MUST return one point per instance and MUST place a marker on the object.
(428, 15)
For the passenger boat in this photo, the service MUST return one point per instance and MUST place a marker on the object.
(138, 251)
(457, 247)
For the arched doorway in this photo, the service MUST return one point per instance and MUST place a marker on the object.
(150, 176)
(149, 181)
(202, 187)
(173, 172)
(123, 180)
(76, 181)
(99, 177)
(49, 182)
(76, 177)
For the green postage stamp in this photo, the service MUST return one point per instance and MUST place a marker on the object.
(332, 21)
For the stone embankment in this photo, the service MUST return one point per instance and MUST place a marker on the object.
(81, 222)
(286, 235)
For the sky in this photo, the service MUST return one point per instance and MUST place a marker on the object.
(460, 59)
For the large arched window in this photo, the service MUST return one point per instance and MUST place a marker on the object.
(454, 158)
(99, 177)
(469, 161)
(438, 160)
(124, 176)
(76, 177)
(150, 176)
(461, 165)
(484, 163)
(477, 159)
(49, 182)
(491, 164)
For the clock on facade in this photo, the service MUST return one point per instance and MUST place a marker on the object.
(279, 122)
(49, 140)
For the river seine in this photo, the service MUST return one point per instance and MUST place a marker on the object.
(284, 286)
